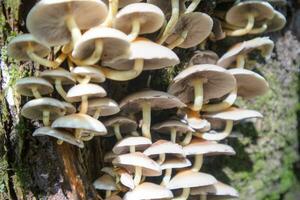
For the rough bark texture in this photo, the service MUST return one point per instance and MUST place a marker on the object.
(267, 151)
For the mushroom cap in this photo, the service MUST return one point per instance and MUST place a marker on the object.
(199, 26)
(106, 105)
(219, 82)
(164, 147)
(262, 43)
(82, 71)
(234, 114)
(123, 3)
(158, 100)
(175, 163)
(46, 20)
(70, 109)
(109, 156)
(166, 126)
(190, 179)
(123, 146)
(131, 160)
(58, 74)
(259, 86)
(275, 24)
(24, 86)
(148, 190)
(90, 90)
(203, 57)
(207, 148)
(127, 125)
(59, 134)
(198, 124)
(17, 47)
(105, 182)
(115, 43)
(34, 109)
(237, 15)
(125, 178)
(155, 56)
(166, 6)
(109, 170)
(80, 121)
(150, 17)
(218, 188)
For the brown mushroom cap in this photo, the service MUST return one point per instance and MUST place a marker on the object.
(80, 121)
(24, 86)
(148, 190)
(199, 26)
(115, 43)
(150, 17)
(219, 82)
(90, 90)
(166, 126)
(164, 147)
(203, 57)
(155, 56)
(123, 146)
(109, 156)
(46, 19)
(17, 47)
(158, 100)
(59, 134)
(34, 109)
(276, 23)
(259, 86)
(175, 163)
(131, 160)
(107, 106)
(123, 3)
(82, 71)
(59, 73)
(105, 182)
(262, 43)
(126, 125)
(237, 15)
(198, 124)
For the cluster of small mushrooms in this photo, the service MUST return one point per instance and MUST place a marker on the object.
(81, 43)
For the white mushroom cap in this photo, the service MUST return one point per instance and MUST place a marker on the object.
(198, 124)
(158, 100)
(59, 134)
(276, 23)
(70, 109)
(107, 106)
(46, 20)
(24, 86)
(150, 17)
(123, 146)
(17, 48)
(219, 82)
(59, 73)
(127, 125)
(164, 147)
(148, 190)
(175, 163)
(105, 182)
(90, 90)
(82, 71)
(115, 43)
(166, 126)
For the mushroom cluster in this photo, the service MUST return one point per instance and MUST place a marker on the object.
(81, 43)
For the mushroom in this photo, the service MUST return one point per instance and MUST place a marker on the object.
(45, 109)
(100, 43)
(118, 125)
(70, 109)
(86, 127)
(59, 22)
(146, 101)
(148, 190)
(139, 163)
(33, 86)
(245, 14)
(107, 183)
(238, 52)
(86, 74)
(217, 30)
(258, 86)
(190, 30)
(26, 47)
(109, 157)
(84, 91)
(218, 189)
(188, 179)
(199, 83)
(203, 57)
(144, 55)
(139, 18)
(131, 144)
(62, 136)
(230, 115)
(59, 77)
(113, 197)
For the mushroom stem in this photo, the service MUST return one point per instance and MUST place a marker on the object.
(84, 80)
(97, 113)
(146, 107)
(60, 89)
(118, 75)
(88, 137)
(198, 94)
(113, 9)
(259, 30)
(67, 48)
(42, 61)
(78, 134)
(117, 131)
(135, 29)
(167, 177)
(173, 135)
(84, 105)
(240, 61)
(243, 31)
(59, 142)
(184, 195)
(73, 28)
(226, 103)
(94, 57)
(203, 196)
(219, 135)
(132, 149)
(107, 193)
(187, 139)
(179, 40)
(137, 176)
(192, 6)
(171, 23)
(46, 118)
(161, 159)
(70, 63)
(36, 93)
(60, 59)
(135, 133)
(197, 163)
